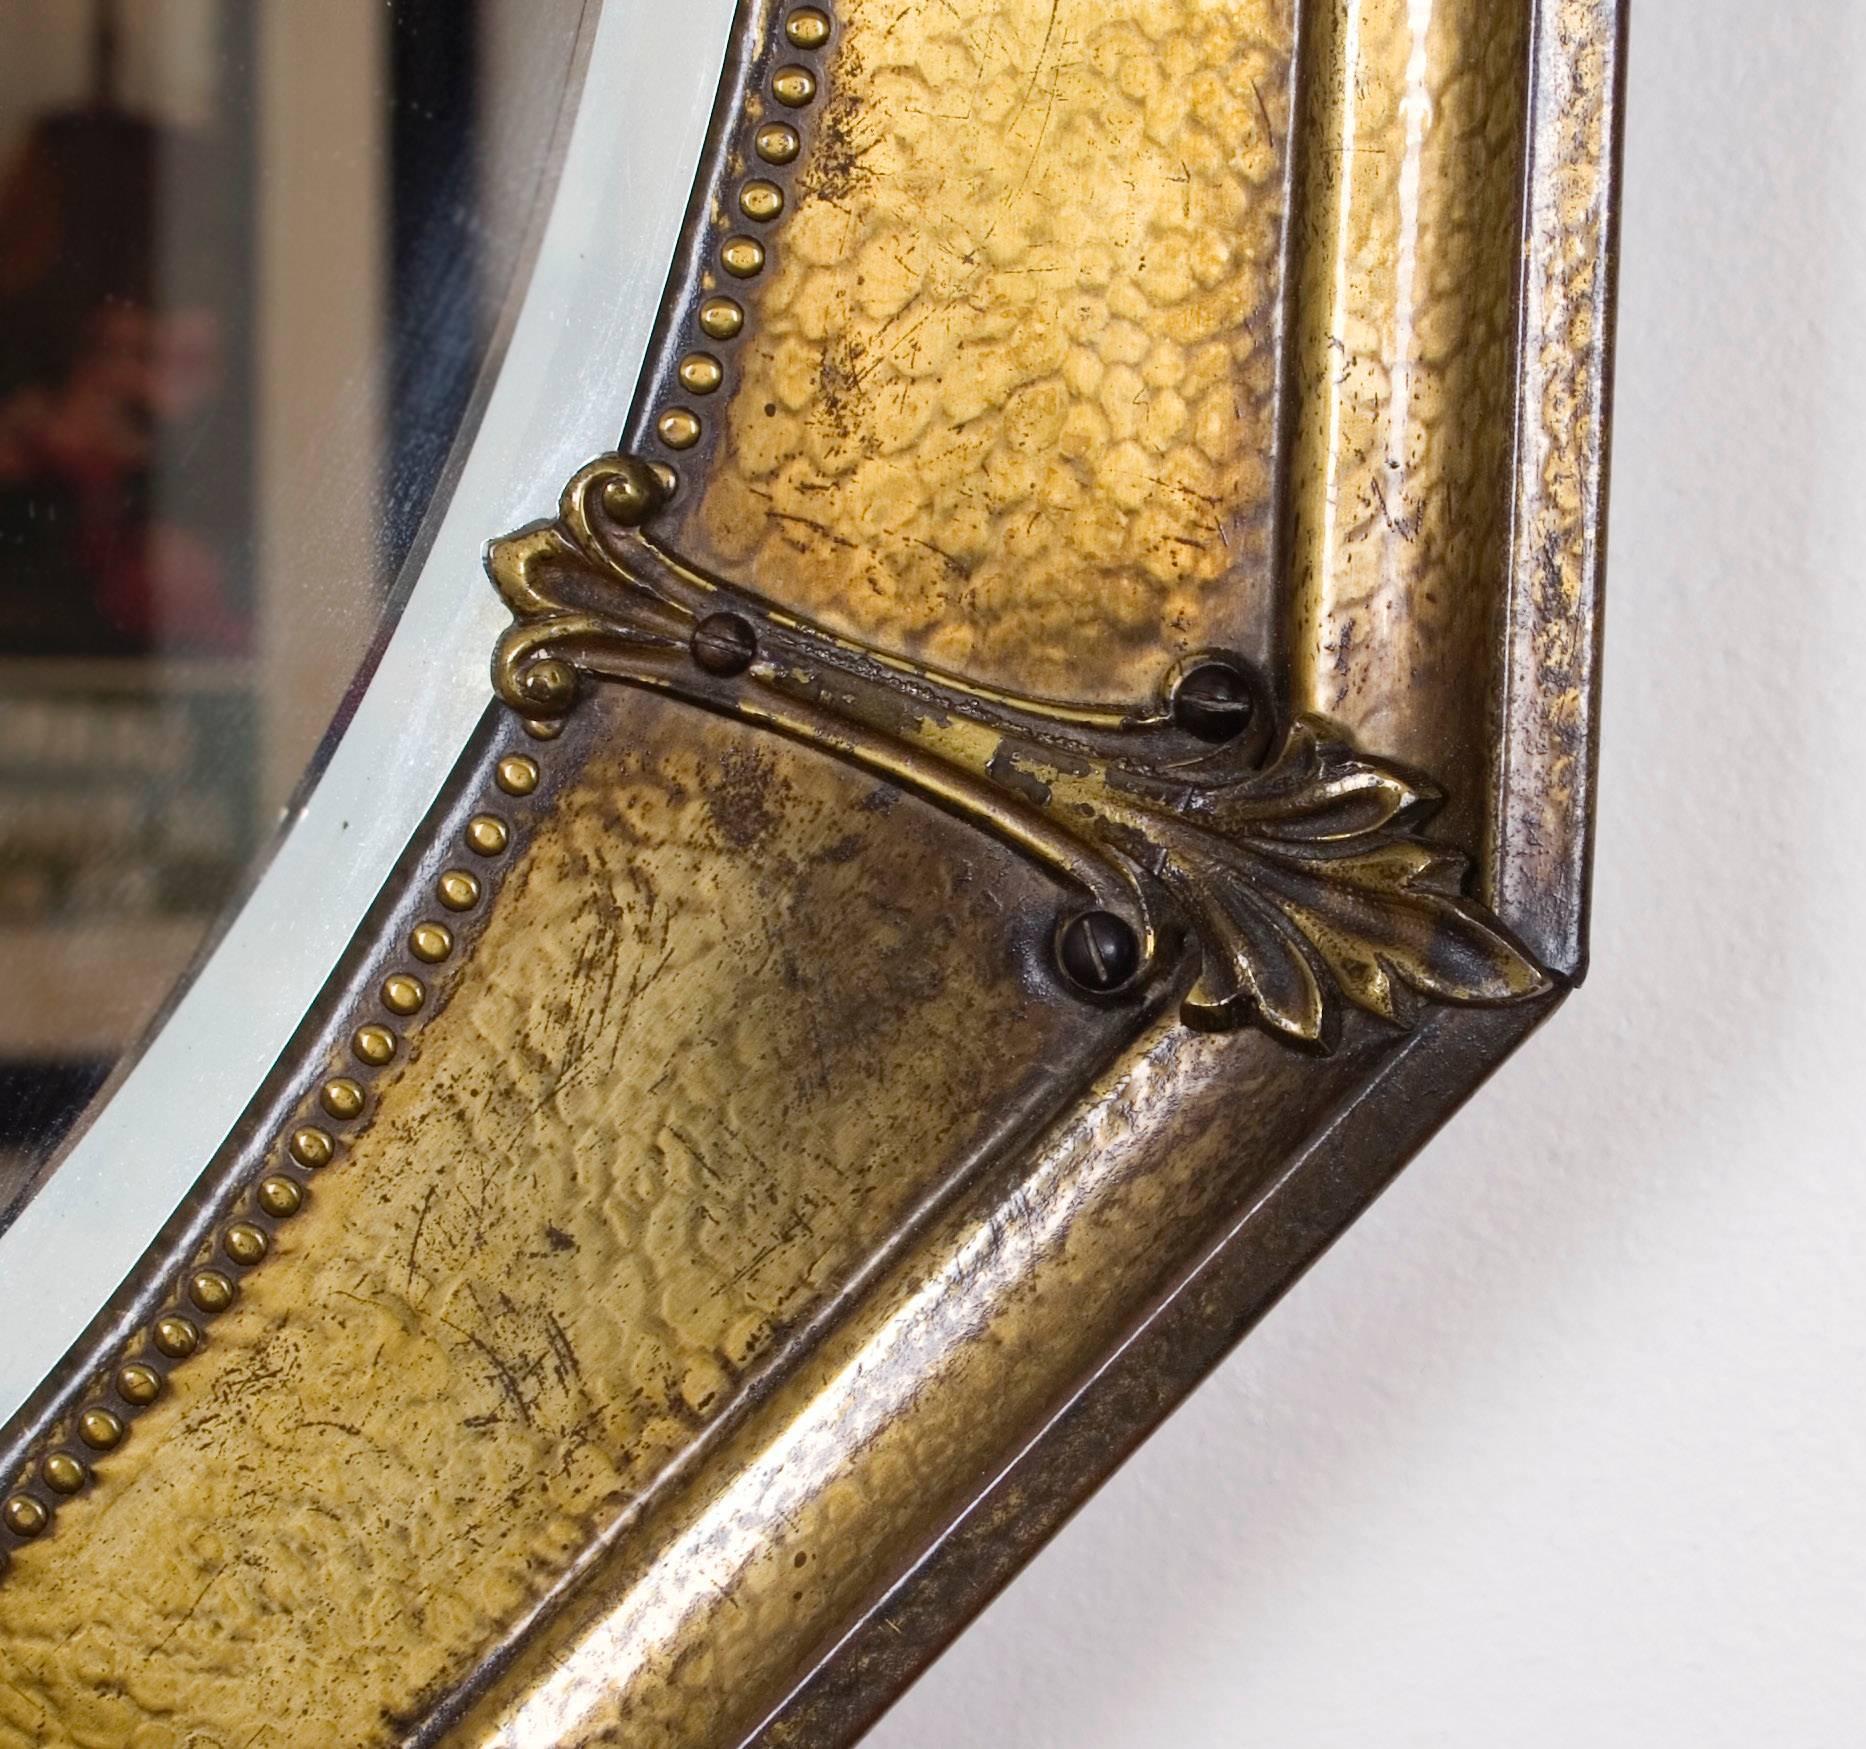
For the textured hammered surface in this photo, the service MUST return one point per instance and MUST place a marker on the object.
(736, 1012)
(1006, 399)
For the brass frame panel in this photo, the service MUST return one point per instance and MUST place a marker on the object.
(1040, 1308)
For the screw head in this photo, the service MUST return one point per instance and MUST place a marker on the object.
(548, 685)
(724, 644)
(1098, 952)
(1214, 701)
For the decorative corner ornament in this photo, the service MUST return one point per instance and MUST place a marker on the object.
(1292, 860)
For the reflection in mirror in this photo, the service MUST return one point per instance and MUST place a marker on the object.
(251, 262)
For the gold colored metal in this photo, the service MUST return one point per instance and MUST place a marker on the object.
(1303, 881)
(550, 686)
(402, 994)
(807, 27)
(100, 1430)
(794, 87)
(700, 373)
(245, 1243)
(63, 1473)
(25, 1516)
(777, 142)
(517, 775)
(431, 942)
(458, 890)
(761, 200)
(543, 728)
(281, 1197)
(679, 429)
(342, 1098)
(374, 1045)
(138, 1384)
(721, 318)
(632, 495)
(742, 257)
(487, 833)
(312, 1147)
(210, 1290)
(176, 1337)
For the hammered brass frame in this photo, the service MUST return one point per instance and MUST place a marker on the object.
(701, 1242)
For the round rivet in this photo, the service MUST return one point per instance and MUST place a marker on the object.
(670, 481)
(402, 994)
(138, 1384)
(544, 728)
(679, 429)
(25, 1516)
(742, 257)
(1098, 951)
(631, 494)
(517, 775)
(701, 373)
(548, 685)
(777, 142)
(210, 1290)
(374, 1045)
(245, 1243)
(724, 644)
(100, 1430)
(430, 942)
(342, 1098)
(312, 1147)
(176, 1337)
(761, 200)
(280, 1197)
(721, 318)
(793, 86)
(1214, 702)
(62, 1473)
(487, 834)
(459, 891)
(807, 28)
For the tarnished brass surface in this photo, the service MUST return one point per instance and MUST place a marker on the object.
(684, 1098)
(1008, 395)
(698, 1246)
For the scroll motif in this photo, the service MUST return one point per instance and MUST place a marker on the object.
(1292, 861)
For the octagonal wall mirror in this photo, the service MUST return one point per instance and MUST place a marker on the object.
(755, 756)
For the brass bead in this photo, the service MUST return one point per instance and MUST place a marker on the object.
(281, 1197)
(631, 494)
(210, 1290)
(761, 200)
(63, 1473)
(402, 994)
(794, 87)
(176, 1337)
(312, 1147)
(459, 891)
(807, 28)
(544, 728)
(670, 481)
(430, 942)
(679, 429)
(548, 685)
(100, 1430)
(138, 1384)
(374, 1045)
(777, 142)
(742, 257)
(245, 1243)
(25, 1516)
(721, 318)
(517, 775)
(701, 373)
(487, 834)
(342, 1098)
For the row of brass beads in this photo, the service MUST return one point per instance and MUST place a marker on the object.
(243, 1242)
(720, 317)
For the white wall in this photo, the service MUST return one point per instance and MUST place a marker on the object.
(1566, 1442)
